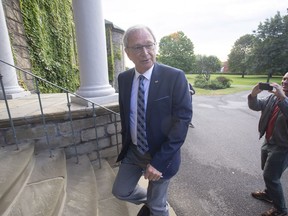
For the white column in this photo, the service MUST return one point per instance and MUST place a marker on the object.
(9, 76)
(92, 53)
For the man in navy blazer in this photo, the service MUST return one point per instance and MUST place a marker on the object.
(168, 108)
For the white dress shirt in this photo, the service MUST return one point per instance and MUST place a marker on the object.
(134, 95)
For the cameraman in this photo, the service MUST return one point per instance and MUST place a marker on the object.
(274, 152)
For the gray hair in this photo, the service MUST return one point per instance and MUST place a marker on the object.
(133, 29)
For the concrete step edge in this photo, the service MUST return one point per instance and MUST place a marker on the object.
(105, 177)
(15, 168)
(113, 207)
(40, 198)
(81, 199)
(49, 167)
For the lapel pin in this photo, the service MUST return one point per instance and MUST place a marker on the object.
(156, 81)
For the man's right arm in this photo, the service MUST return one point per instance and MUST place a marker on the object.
(253, 102)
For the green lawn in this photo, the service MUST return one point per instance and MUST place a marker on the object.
(238, 83)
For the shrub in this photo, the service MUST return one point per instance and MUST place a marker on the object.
(220, 82)
(200, 82)
(226, 82)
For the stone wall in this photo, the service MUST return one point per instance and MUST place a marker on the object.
(115, 48)
(18, 41)
(59, 131)
(117, 39)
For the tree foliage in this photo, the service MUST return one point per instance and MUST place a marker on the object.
(240, 56)
(271, 50)
(266, 51)
(205, 65)
(177, 50)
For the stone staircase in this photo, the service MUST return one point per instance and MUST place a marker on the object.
(39, 185)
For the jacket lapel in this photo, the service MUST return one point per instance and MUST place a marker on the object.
(153, 89)
(128, 87)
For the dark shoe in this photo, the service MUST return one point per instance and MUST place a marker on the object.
(144, 211)
(273, 212)
(262, 195)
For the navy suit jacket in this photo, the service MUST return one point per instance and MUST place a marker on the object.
(168, 114)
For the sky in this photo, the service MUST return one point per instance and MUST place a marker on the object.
(213, 26)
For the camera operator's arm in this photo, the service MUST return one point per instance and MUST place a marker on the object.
(253, 102)
(255, 91)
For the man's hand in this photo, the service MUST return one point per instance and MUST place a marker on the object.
(152, 174)
(278, 91)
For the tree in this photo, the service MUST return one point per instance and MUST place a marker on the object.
(271, 49)
(240, 57)
(213, 64)
(177, 50)
(205, 65)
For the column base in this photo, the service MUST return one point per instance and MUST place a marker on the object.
(102, 101)
(14, 95)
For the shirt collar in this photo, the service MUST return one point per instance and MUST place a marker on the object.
(147, 74)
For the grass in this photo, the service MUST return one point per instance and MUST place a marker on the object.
(238, 83)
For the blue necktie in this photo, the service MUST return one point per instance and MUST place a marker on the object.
(142, 144)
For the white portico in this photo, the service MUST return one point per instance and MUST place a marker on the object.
(92, 54)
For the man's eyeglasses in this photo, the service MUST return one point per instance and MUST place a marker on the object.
(139, 49)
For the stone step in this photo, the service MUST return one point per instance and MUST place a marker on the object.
(15, 168)
(108, 204)
(81, 199)
(45, 190)
(49, 166)
(40, 199)
(50, 185)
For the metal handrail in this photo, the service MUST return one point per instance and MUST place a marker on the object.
(8, 111)
(67, 92)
